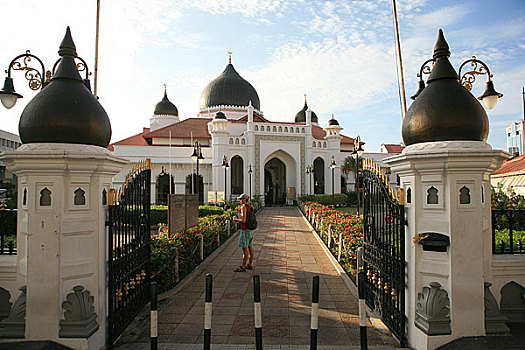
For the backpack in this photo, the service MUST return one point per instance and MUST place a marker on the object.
(251, 220)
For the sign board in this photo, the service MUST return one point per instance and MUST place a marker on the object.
(215, 196)
(290, 193)
(183, 212)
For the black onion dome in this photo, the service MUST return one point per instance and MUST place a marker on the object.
(300, 117)
(445, 110)
(220, 115)
(65, 111)
(333, 122)
(229, 88)
(165, 107)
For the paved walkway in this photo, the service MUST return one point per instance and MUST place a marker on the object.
(287, 256)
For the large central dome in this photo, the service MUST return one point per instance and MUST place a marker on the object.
(229, 88)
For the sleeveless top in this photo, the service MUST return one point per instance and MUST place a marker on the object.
(248, 209)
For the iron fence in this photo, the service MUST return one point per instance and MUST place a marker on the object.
(8, 219)
(508, 231)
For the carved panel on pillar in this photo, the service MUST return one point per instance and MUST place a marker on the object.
(80, 317)
(494, 320)
(14, 326)
(433, 310)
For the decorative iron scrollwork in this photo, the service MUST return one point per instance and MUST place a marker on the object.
(32, 75)
(469, 77)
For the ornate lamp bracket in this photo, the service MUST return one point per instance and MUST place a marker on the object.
(469, 77)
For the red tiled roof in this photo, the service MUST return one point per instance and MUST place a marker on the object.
(135, 140)
(199, 128)
(513, 165)
(256, 118)
(394, 148)
(185, 129)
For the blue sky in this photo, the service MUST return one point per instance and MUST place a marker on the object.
(340, 53)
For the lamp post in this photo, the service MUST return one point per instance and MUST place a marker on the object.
(250, 173)
(358, 151)
(310, 169)
(308, 176)
(332, 166)
(225, 166)
(196, 156)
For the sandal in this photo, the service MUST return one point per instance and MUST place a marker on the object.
(240, 269)
(249, 267)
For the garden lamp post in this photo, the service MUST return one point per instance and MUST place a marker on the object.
(358, 151)
(225, 166)
(308, 176)
(310, 170)
(250, 173)
(196, 156)
(332, 166)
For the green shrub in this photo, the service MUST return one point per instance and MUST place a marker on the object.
(339, 199)
(206, 210)
(158, 215)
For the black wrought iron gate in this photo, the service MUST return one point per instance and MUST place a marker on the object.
(384, 248)
(128, 249)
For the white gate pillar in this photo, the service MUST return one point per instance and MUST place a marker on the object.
(443, 183)
(62, 196)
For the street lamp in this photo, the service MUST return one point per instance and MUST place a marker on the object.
(445, 110)
(307, 175)
(225, 166)
(310, 170)
(332, 166)
(196, 156)
(250, 173)
(64, 110)
(358, 152)
(39, 79)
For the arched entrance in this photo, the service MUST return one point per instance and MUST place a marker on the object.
(274, 182)
(319, 176)
(237, 176)
(195, 184)
(163, 187)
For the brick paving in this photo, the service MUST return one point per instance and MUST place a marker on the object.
(287, 256)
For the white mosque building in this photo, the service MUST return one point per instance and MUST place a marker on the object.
(267, 158)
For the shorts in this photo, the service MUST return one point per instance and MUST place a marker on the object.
(245, 238)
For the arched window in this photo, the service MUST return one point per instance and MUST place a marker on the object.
(256, 128)
(45, 197)
(313, 144)
(274, 129)
(243, 141)
(324, 144)
(236, 141)
(302, 130)
(267, 128)
(291, 130)
(464, 195)
(409, 195)
(280, 129)
(285, 129)
(432, 195)
(237, 175)
(80, 198)
(297, 130)
(231, 141)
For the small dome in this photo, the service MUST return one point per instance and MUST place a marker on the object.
(165, 107)
(220, 115)
(333, 122)
(229, 89)
(300, 117)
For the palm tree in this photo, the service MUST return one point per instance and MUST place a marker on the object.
(349, 166)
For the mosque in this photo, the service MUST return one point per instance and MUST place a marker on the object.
(237, 149)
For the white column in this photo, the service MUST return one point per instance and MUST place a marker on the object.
(62, 243)
(448, 167)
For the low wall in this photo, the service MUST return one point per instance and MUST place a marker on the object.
(507, 268)
(8, 275)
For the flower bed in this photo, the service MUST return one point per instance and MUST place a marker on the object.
(341, 232)
(165, 247)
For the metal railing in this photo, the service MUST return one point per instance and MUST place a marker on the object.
(8, 219)
(508, 231)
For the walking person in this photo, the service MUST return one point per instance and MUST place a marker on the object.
(246, 235)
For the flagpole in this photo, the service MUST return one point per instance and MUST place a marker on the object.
(96, 48)
(401, 80)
